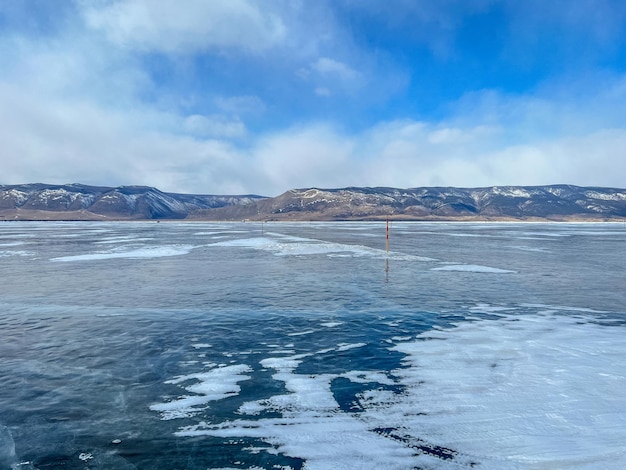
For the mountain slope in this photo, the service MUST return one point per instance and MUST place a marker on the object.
(556, 202)
(82, 202)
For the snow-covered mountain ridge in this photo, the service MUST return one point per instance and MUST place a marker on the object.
(81, 202)
(554, 202)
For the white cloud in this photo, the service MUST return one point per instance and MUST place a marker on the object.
(194, 25)
(326, 66)
(62, 142)
(408, 153)
(61, 139)
(62, 122)
(329, 75)
(302, 157)
(214, 126)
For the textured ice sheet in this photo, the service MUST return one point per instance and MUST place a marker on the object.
(537, 390)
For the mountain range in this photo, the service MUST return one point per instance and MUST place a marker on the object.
(82, 202)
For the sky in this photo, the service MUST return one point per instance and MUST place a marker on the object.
(258, 97)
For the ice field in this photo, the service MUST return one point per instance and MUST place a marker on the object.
(308, 346)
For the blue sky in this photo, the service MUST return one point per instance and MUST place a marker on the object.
(241, 96)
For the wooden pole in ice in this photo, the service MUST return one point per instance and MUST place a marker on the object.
(387, 234)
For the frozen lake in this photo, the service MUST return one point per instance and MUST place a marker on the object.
(308, 346)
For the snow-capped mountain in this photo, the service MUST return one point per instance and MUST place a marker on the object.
(81, 202)
(556, 202)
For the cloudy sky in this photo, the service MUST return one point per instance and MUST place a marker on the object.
(243, 96)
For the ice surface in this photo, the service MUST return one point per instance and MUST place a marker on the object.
(238, 468)
(381, 377)
(535, 249)
(470, 235)
(519, 391)
(7, 253)
(2, 245)
(282, 245)
(312, 426)
(7, 448)
(551, 308)
(486, 308)
(301, 333)
(123, 239)
(346, 346)
(145, 252)
(471, 268)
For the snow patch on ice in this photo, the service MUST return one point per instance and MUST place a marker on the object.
(312, 425)
(7, 253)
(520, 391)
(122, 239)
(530, 248)
(301, 333)
(529, 390)
(145, 252)
(216, 384)
(562, 308)
(347, 346)
(284, 245)
(472, 268)
(486, 308)
(468, 235)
